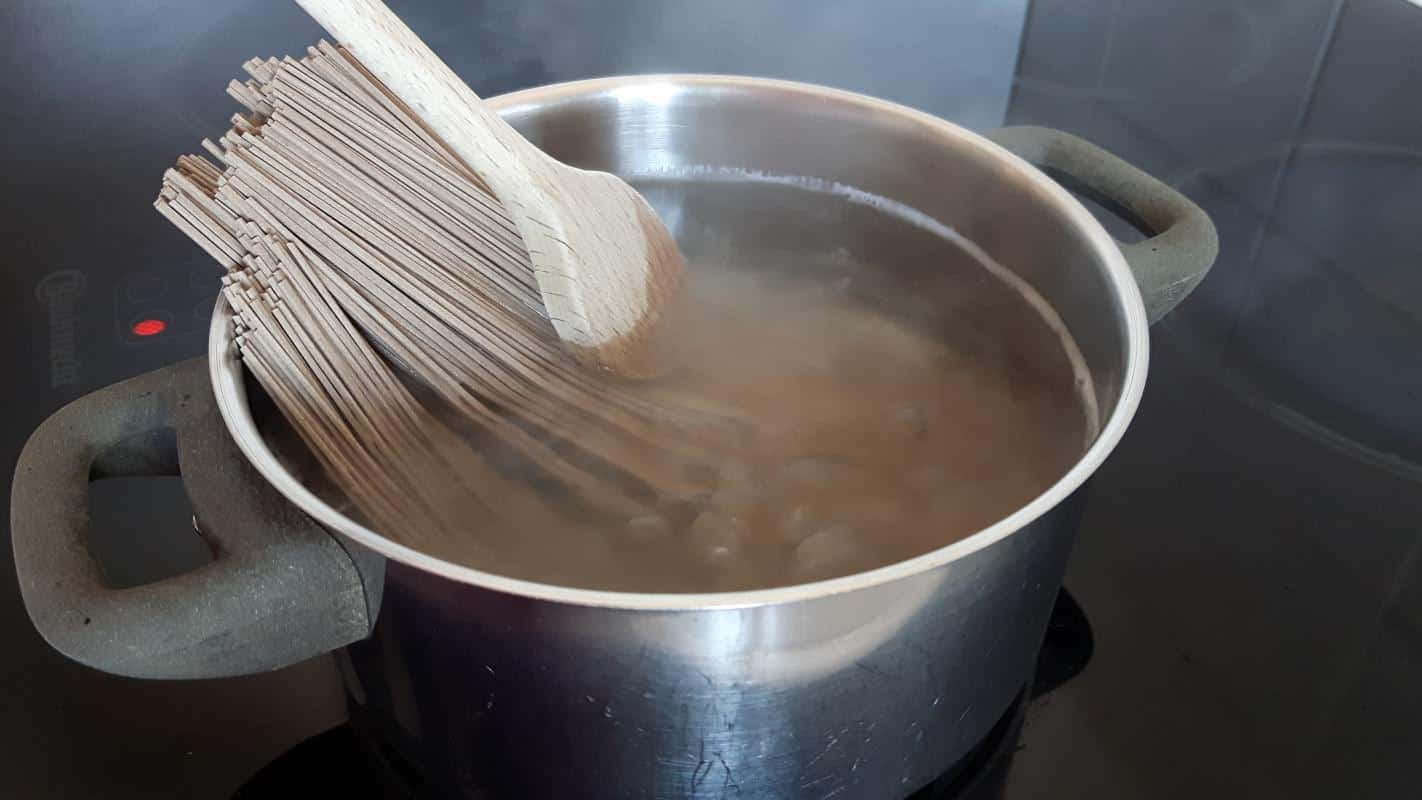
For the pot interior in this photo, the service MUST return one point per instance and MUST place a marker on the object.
(894, 209)
(696, 128)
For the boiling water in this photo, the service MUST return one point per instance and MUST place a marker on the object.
(903, 392)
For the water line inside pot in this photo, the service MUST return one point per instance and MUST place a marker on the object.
(906, 392)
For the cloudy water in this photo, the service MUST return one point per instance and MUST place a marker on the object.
(902, 395)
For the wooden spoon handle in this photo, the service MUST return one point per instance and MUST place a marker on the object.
(603, 262)
(409, 69)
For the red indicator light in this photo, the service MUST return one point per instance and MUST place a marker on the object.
(149, 327)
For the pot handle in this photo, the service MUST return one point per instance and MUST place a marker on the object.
(1183, 243)
(279, 589)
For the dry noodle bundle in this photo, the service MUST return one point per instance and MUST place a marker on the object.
(353, 240)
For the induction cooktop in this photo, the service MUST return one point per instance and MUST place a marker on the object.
(1250, 555)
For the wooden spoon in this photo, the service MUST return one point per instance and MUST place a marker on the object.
(604, 263)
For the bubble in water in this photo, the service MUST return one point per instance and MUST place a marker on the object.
(647, 528)
(827, 551)
(715, 537)
(797, 523)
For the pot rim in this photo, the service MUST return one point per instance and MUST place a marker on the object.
(226, 372)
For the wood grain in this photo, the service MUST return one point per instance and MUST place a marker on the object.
(604, 263)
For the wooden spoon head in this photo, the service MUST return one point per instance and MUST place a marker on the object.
(606, 266)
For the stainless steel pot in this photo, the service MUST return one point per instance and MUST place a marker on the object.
(863, 686)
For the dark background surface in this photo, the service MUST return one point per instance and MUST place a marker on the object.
(1248, 556)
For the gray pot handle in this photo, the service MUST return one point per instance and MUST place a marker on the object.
(1183, 243)
(278, 590)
